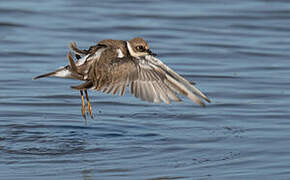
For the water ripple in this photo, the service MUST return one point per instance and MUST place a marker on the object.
(236, 53)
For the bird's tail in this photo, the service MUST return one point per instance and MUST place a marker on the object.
(45, 75)
(62, 73)
(69, 71)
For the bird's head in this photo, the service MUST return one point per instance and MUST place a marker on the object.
(139, 47)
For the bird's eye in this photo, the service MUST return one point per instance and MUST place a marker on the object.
(140, 48)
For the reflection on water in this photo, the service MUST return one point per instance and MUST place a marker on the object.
(236, 52)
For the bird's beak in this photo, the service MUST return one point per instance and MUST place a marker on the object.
(151, 53)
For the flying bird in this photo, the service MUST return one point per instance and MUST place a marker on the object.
(111, 66)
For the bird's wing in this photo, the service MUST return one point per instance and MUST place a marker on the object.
(150, 80)
(84, 56)
(177, 77)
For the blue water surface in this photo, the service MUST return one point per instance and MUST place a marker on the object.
(237, 52)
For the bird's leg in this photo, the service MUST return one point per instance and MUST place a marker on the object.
(89, 107)
(83, 110)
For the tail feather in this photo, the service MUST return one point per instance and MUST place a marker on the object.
(62, 73)
(45, 75)
(70, 71)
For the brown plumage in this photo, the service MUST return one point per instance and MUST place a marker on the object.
(112, 65)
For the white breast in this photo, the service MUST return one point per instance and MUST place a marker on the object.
(120, 53)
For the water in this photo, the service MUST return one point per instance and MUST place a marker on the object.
(236, 51)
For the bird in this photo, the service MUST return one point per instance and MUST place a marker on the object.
(111, 66)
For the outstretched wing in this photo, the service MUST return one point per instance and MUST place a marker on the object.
(150, 80)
